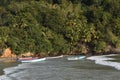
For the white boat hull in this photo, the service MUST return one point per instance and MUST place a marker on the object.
(76, 58)
(34, 60)
(55, 57)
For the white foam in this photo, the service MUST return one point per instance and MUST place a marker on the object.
(13, 70)
(104, 60)
(4, 77)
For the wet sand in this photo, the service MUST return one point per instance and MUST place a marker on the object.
(5, 64)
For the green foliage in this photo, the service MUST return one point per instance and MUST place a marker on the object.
(99, 46)
(59, 26)
(53, 21)
(116, 25)
(4, 31)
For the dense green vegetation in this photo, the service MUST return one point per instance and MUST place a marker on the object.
(59, 26)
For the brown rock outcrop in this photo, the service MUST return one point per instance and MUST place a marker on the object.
(8, 54)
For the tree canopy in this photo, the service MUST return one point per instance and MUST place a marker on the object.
(59, 26)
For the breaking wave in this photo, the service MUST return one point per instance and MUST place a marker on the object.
(105, 60)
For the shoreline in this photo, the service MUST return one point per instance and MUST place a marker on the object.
(11, 62)
(4, 65)
(62, 69)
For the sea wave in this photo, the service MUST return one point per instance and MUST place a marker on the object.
(61, 69)
(13, 70)
(105, 60)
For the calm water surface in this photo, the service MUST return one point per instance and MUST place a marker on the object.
(61, 69)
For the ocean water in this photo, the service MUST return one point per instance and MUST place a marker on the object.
(108, 60)
(6, 65)
(91, 68)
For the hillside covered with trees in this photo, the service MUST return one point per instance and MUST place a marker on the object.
(59, 26)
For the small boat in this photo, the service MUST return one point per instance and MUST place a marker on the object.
(34, 60)
(26, 58)
(55, 57)
(76, 57)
